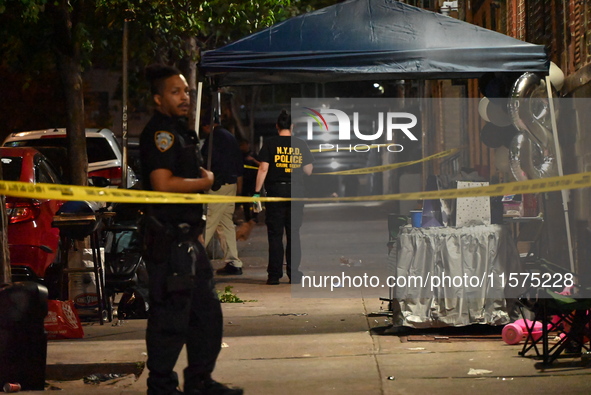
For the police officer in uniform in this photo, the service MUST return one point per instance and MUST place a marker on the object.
(284, 161)
(184, 307)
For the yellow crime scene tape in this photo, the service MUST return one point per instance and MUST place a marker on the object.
(372, 146)
(378, 169)
(382, 168)
(72, 192)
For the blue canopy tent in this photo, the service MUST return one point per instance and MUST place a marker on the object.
(369, 40)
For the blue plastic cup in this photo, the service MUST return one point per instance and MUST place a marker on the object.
(416, 217)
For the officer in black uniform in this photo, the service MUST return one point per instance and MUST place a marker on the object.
(184, 307)
(284, 160)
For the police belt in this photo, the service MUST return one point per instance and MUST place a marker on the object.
(174, 231)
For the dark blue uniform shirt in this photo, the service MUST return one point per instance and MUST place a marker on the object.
(167, 143)
(226, 158)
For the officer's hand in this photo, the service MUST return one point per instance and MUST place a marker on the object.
(257, 205)
(207, 175)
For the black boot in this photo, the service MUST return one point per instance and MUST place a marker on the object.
(212, 387)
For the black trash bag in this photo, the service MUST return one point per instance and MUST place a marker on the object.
(23, 341)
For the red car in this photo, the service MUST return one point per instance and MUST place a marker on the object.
(32, 241)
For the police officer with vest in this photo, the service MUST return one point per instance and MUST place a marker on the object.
(184, 307)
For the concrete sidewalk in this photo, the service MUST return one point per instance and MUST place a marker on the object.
(277, 344)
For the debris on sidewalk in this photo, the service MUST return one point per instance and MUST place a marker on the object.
(350, 262)
(227, 296)
(291, 314)
(99, 378)
(478, 372)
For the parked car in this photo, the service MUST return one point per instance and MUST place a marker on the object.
(32, 241)
(103, 150)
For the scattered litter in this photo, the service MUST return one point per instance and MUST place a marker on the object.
(98, 378)
(505, 378)
(225, 345)
(145, 354)
(229, 322)
(350, 262)
(288, 314)
(416, 348)
(12, 387)
(391, 378)
(476, 372)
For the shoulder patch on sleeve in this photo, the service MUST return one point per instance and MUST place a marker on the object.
(164, 140)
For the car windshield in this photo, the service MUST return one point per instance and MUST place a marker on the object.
(11, 168)
(97, 148)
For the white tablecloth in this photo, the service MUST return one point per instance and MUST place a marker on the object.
(476, 256)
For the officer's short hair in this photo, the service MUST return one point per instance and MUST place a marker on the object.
(156, 74)
(284, 120)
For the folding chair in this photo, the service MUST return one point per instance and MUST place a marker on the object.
(566, 317)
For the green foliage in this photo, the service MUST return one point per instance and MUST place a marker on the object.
(33, 31)
(228, 297)
(158, 29)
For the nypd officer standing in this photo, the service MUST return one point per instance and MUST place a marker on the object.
(184, 308)
(285, 160)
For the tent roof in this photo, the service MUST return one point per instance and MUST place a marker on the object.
(370, 40)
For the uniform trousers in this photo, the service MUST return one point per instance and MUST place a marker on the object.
(280, 218)
(184, 310)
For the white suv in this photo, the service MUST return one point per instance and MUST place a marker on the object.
(102, 147)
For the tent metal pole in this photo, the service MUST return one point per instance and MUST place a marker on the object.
(560, 173)
(198, 107)
(124, 99)
(210, 144)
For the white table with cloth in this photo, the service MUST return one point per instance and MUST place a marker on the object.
(448, 276)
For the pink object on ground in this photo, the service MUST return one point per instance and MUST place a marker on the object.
(513, 333)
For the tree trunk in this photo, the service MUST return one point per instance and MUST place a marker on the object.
(71, 76)
(247, 96)
(67, 40)
(5, 272)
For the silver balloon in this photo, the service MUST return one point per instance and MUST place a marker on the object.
(528, 160)
(532, 152)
